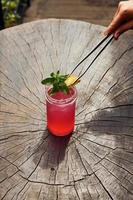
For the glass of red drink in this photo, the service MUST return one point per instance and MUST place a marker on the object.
(60, 108)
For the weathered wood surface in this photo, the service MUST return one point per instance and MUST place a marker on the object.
(96, 162)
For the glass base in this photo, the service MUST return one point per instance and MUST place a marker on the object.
(60, 134)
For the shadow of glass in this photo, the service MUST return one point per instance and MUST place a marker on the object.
(52, 151)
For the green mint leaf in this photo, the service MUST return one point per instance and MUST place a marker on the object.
(64, 77)
(52, 74)
(65, 88)
(57, 80)
(47, 81)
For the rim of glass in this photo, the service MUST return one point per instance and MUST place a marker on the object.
(62, 101)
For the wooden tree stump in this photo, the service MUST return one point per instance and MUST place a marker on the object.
(96, 161)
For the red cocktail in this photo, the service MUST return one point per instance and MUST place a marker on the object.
(61, 111)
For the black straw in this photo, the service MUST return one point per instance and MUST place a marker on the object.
(89, 53)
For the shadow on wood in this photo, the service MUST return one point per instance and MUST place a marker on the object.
(112, 123)
(53, 153)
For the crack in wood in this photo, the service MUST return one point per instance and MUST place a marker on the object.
(11, 163)
(18, 158)
(29, 131)
(35, 150)
(19, 102)
(106, 108)
(21, 190)
(29, 45)
(104, 187)
(87, 148)
(59, 184)
(52, 36)
(57, 193)
(22, 194)
(13, 160)
(19, 144)
(118, 179)
(58, 158)
(76, 191)
(39, 193)
(25, 97)
(80, 158)
(31, 91)
(111, 88)
(8, 177)
(97, 86)
(25, 58)
(41, 182)
(96, 143)
(95, 133)
(104, 125)
(29, 115)
(119, 166)
(43, 39)
(6, 138)
(122, 158)
(122, 91)
(8, 191)
(6, 76)
(101, 159)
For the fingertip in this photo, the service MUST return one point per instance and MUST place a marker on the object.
(109, 30)
(106, 33)
(116, 35)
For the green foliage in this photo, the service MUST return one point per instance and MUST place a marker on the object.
(57, 81)
(9, 9)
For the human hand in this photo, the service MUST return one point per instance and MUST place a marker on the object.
(123, 19)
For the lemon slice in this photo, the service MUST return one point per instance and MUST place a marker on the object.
(71, 80)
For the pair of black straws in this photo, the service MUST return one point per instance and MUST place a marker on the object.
(100, 43)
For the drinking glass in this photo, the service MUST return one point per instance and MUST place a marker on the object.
(60, 109)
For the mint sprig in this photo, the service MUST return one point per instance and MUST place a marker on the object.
(57, 81)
